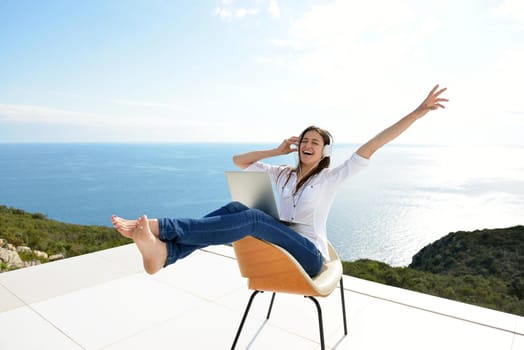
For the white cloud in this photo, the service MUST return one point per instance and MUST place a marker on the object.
(242, 12)
(356, 49)
(512, 8)
(274, 9)
(42, 114)
(229, 14)
(280, 43)
(343, 21)
(153, 105)
(359, 49)
(271, 60)
(230, 11)
(114, 127)
(505, 77)
(48, 115)
(372, 61)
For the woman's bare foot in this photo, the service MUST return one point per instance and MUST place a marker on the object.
(153, 250)
(123, 226)
(126, 227)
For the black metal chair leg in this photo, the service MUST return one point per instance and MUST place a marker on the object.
(270, 306)
(244, 317)
(343, 305)
(319, 311)
(320, 323)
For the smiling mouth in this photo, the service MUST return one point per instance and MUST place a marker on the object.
(308, 153)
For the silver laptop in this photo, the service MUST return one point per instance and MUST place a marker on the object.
(253, 189)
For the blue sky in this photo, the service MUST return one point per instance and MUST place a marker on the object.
(259, 70)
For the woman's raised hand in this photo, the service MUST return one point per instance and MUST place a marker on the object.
(432, 102)
(288, 145)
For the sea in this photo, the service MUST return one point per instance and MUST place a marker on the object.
(409, 196)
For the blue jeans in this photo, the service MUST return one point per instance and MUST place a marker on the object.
(231, 223)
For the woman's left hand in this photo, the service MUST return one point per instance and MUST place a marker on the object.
(432, 102)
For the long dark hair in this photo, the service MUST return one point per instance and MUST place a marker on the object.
(324, 162)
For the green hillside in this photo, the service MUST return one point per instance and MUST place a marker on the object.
(484, 268)
(497, 252)
(38, 232)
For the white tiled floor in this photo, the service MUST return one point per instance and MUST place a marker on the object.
(104, 301)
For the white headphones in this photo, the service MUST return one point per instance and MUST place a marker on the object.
(328, 148)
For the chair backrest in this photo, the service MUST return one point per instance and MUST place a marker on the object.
(268, 267)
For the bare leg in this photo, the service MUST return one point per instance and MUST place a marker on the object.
(153, 250)
(126, 227)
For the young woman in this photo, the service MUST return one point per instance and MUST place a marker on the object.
(306, 193)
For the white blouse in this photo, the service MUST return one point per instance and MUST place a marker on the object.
(309, 208)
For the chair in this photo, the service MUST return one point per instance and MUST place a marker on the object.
(270, 268)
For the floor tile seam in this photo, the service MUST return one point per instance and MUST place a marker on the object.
(169, 319)
(145, 329)
(218, 298)
(437, 312)
(42, 316)
(23, 302)
(81, 288)
(122, 273)
(264, 322)
(173, 317)
(214, 300)
(171, 285)
(514, 339)
(123, 267)
(516, 326)
(30, 307)
(150, 327)
(313, 339)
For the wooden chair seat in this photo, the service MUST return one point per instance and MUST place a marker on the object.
(269, 267)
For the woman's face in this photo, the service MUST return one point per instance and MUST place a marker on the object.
(311, 148)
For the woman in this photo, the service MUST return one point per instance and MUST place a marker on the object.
(306, 194)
